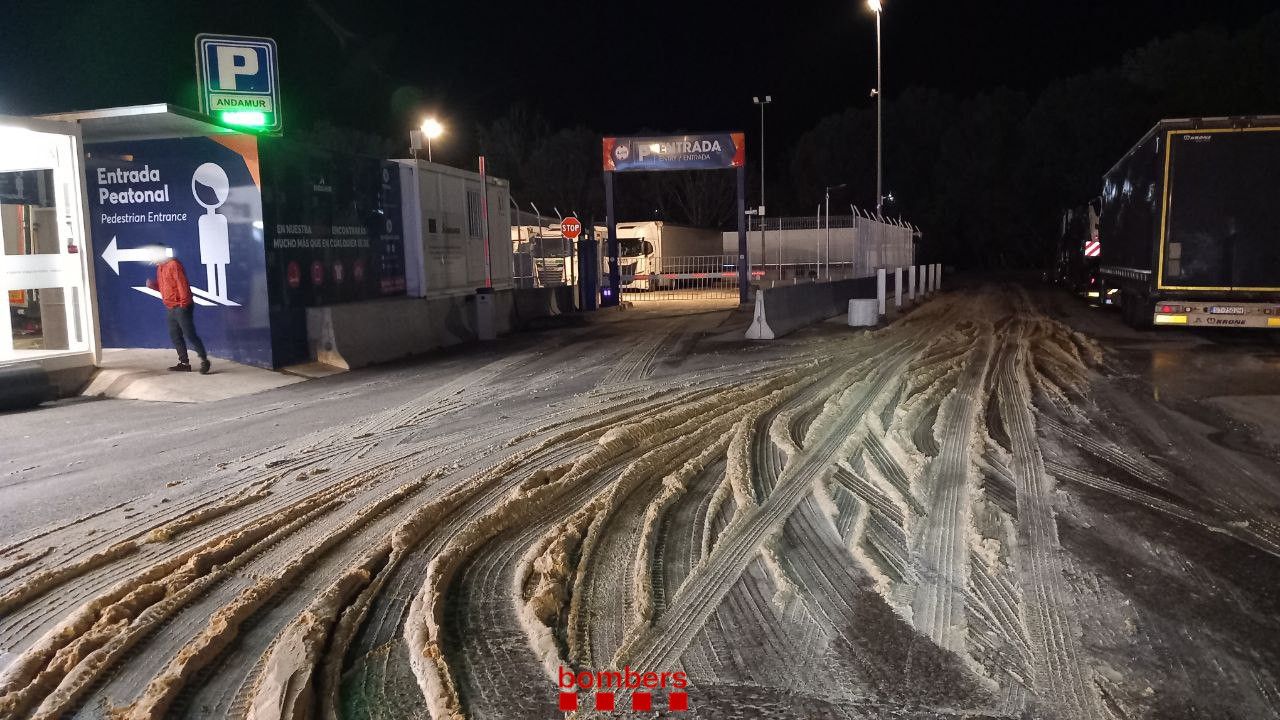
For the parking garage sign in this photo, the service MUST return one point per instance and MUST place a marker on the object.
(239, 81)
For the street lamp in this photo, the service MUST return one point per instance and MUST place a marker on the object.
(875, 7)
(764, 259)
(431, 129)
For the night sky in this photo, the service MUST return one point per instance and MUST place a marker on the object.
(612, 66)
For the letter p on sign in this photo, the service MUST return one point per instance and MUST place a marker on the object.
(234, 62)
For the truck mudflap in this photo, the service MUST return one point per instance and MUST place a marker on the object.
(1218, 313)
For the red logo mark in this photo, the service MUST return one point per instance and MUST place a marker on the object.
(294, 274)
(317, 272)
(606, 682)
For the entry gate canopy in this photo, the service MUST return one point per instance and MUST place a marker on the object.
(710, 151)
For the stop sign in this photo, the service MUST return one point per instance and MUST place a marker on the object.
(571, 228)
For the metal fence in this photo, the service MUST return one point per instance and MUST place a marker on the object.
(700, 277)
(848, 246)
(540, 255)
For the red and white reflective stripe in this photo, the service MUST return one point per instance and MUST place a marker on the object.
(1093, 248)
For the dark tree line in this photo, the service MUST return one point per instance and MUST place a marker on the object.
(985, 177)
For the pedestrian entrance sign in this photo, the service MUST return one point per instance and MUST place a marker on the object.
(239, 81)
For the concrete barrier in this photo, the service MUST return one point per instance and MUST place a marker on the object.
(355, 335)
(23, 387)
(937, 276)
(787, 308)
(911, 279)
(863, 313)
(897, 288)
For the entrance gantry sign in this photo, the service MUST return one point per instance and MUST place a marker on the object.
(711, 151)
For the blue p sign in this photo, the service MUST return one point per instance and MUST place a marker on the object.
(239, 68)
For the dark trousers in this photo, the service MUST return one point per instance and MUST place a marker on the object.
(182, 330)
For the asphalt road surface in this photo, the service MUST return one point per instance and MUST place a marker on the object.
(1001, 505)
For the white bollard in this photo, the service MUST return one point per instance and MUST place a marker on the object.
(880, 289)
(897, 288)
(937, 280)
(924, 281)
(911, 283)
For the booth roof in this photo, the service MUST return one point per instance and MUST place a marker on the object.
(135, 122)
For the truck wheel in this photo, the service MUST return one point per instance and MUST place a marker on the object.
(1137, 311)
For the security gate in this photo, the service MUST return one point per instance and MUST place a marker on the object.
(699, 277)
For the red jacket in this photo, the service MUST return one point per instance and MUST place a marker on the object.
(171, 281)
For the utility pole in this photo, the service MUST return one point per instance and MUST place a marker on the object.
(764, 259)
(878, 9)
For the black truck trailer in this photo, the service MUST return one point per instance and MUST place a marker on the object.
(1190, 225)
(1079, 249)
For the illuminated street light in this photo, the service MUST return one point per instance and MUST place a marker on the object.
(875, 7)
(764, 261)
(431, 129)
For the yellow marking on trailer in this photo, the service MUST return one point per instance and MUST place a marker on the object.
(1171, 319)
(1164, 218)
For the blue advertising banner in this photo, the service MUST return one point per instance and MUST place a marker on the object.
(715, 151)
(202, 198)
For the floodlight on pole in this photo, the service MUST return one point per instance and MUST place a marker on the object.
(767, 99)
(431, 129)
(876, 7)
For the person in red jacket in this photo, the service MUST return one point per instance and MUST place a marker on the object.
(175, 292)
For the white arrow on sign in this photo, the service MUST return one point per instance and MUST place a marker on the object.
(114, 255)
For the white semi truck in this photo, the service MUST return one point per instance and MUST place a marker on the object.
(654, 255)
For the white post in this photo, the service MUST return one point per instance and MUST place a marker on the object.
(937, 278)
(924, 280)
(911, 283)
(880, 278)
(897, 288)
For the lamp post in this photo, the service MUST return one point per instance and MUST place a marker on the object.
(431, 129)
(764, 262)
(876, 7)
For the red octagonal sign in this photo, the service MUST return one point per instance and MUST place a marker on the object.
(571, 228)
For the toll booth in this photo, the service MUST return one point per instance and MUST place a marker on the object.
(265, 228)
(45, 266)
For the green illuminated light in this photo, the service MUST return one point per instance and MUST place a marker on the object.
(244, 118)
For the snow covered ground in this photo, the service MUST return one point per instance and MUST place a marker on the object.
(977, 511)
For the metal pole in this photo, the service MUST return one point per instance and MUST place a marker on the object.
(764, 259)
(744, 267)
(611, 223)
(817, 246)
(484, 210)
(879, 124)
(828, 205)
(428, 147)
